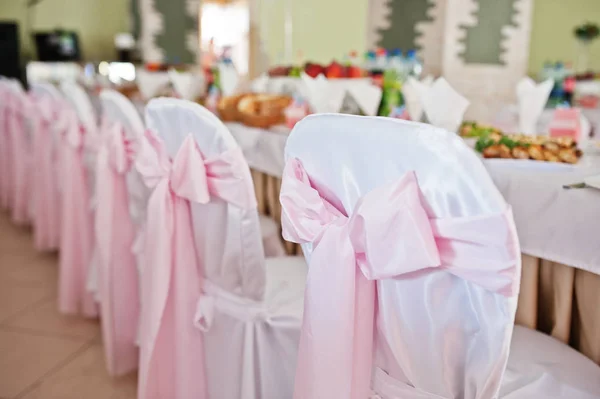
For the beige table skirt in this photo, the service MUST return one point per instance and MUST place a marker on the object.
(559, 300)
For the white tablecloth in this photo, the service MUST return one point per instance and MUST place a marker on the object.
(553, 223)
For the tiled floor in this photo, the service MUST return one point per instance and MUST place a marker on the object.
(44, 355)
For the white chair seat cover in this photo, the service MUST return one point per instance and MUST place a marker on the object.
(269, 230)
(251, 346)
(540, 366)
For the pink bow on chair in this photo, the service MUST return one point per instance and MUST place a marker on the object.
(21, 162)
(115, 233)
(45, 186)
(388, 235)
(172, 354)
(76, 238)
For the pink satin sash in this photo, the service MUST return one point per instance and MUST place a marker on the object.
(115, 234)
(172, 354)
(388, 235)
(45, 186)
(76, 238)
(21, 158)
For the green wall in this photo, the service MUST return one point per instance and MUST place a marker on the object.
(314, 34)
(552, 36)
(96, 21)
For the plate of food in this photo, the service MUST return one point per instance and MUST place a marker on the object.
(543, 151)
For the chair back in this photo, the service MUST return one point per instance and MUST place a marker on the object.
(434, 331)
(227, 235)
(117, 108)
(82, 104)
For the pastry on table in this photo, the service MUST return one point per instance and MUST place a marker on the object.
(228, 107)
(263, 110)
(538, 148)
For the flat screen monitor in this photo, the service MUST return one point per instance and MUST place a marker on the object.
(57, 46)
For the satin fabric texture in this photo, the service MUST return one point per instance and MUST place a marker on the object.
(45, 193)
(21, 159)
(77, 235)
(389, 235)
(117, 275)
(15, 182)
(172, 352)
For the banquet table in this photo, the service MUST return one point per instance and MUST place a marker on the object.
(559, 233)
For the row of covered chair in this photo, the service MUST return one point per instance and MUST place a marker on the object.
(414, 259)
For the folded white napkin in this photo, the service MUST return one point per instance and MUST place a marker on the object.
(412, 91)
(366, 95)
(322, 95)
(260, 84)
(532, 99)
(188, 85)
(593, 181)
(151, 83)
(229, 79)
(444, 106)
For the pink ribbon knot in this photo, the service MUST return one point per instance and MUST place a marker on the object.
(388, 235)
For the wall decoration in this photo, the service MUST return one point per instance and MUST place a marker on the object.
(408, 24)
(489, 86)
(484, 38)
(169, 31)
(403, 17)
(135, 19)
(152, 24)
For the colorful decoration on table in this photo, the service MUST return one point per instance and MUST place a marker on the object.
(392, 92)
(228, 76)
(566, 122)
(564, 78)
(296, 111)
(212, 100)
(263, 110)
(537, 148)
(470, 129)
(400, 112)
(532, 99)
(335, 70)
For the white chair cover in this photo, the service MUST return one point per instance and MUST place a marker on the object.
(118, 108)
(254, 305)
(88, 119)
(442, 335)
(82, 103)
